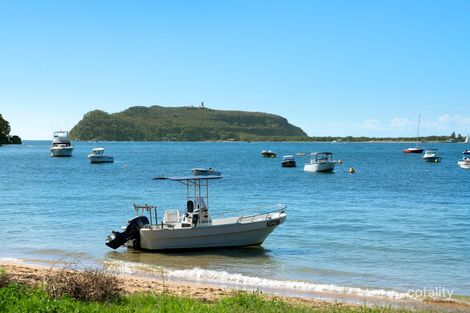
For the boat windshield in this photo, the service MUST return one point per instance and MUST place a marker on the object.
(322, 156)
(59, 134)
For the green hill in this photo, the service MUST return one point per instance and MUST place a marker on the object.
(183, 123)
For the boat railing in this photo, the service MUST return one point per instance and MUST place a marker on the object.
(261, 216)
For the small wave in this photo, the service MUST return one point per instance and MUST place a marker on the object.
(128, 268)
(257, 283)
(11, 260)
(240, 281)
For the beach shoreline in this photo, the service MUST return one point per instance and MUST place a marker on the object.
(33, 274)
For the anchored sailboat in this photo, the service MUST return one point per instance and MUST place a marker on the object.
(415, 149)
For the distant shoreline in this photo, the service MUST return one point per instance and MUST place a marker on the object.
(409, 141)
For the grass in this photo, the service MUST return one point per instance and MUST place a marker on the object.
(22, 298)
(72, 291)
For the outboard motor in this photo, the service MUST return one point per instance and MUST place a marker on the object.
(117, 239)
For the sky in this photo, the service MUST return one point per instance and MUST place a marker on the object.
(339, 68)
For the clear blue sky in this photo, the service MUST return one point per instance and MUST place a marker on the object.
(330, 67)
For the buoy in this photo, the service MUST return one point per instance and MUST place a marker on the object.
(340, 161)
(351, 170)
(436, 161)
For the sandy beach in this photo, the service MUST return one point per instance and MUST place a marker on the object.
(36, 274)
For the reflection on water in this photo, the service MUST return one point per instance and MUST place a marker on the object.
(227, 259)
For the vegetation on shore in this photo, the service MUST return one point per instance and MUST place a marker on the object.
(450, 139)
(158, 123)
(72, 291)
(5, 137)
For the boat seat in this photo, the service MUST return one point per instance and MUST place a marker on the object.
(171, 217)
(190, 206)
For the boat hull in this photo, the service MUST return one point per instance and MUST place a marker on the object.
(213, 236)
(100, 159)
(464, 164)
(433, 159)
(61, 151)
(288, 164)
(320, 167)
(413, 150)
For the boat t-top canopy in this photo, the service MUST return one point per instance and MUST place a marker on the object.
(198, 194)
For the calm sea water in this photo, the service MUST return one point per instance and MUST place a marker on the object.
(397, 223)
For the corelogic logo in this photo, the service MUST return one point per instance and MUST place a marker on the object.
(437, 292)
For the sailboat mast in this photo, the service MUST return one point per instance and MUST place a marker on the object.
(417, 135)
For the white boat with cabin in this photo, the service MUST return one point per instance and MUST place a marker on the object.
(97, 156)
(320, 162)
(61, 144)
(432, 155)
(194, 228)
(465, 161)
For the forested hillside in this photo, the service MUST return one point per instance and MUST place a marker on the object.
(182, 123)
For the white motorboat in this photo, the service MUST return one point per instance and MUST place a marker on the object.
(465, 162)
(97, 156)
(320, 162)
(432, 155)
(205, 171)
(194, 228)
(61, 145)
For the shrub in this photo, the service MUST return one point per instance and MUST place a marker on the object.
(5, 278)
(90, 284)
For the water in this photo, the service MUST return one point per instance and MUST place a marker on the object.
(398, 223)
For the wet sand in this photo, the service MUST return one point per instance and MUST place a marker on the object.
(35, 274)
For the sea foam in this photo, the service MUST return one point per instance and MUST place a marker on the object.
(282, 286)
(244, 282)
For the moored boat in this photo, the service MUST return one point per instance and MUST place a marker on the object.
(205, 171)
(288, 161)
(97, 156)
(465, 161)
(415, 149)
(432, 155)
(61, 144)
(320, 162)
(268, 154)
(194, 228)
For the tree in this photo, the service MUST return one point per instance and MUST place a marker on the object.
(452, 135)
(4, 130)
